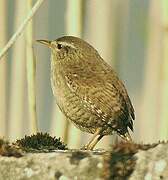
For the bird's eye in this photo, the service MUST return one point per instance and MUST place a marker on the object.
(59, 46)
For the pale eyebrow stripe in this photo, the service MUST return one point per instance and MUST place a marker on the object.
(67, 44)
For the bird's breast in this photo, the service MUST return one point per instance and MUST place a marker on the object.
(70, 104)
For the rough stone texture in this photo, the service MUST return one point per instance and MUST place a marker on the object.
(150, 164)
(60, 165)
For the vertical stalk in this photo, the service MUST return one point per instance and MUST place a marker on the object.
(164, 72)
(73, 27)
(17, 115)
(74, 17)
(3, 66)
(150, 95)
(31, 73)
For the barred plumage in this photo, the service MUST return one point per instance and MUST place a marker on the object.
(88, 91)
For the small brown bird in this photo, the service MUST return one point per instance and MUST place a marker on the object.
(88, 91)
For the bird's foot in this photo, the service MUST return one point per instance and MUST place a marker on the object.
(86, 147)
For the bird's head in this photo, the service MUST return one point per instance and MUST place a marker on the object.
(69, 47)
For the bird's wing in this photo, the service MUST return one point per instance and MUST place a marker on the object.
(102, 98)
(119, 85)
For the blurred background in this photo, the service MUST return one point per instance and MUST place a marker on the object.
(130, 35)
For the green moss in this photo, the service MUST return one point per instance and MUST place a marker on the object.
(40, 142)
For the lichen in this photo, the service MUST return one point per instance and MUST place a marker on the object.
(160, 165)
(148, 176)
(40, 142)
(29, 172)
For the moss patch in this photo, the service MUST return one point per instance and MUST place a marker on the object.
(40, 142)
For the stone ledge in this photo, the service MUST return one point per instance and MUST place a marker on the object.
(150, 163)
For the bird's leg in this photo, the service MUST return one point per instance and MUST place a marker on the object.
(94, 140)
(93, 143)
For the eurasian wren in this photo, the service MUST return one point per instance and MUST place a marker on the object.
(88, 91)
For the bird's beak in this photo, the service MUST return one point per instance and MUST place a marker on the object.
(45, 42)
